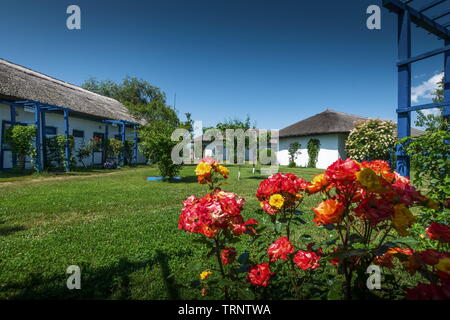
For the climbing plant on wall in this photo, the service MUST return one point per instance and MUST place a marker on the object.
(313, 152)
(55, 151)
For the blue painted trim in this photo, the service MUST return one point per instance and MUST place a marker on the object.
(404, 90)
(66, 132)
(37, 112)
(12, 108)
(418, 18)
(446, 112)
(43, 135)
(424, 56)
(424, 106)
(135, 151)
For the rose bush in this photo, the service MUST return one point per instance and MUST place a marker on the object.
(366, 207)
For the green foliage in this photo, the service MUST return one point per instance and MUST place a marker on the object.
(293, 153)
(128, 150)
(55, 151)
(113, 148)
(84, 152)
(371, 140)
(313, 152)
(20, 139)
(156, 144)
(429, 154)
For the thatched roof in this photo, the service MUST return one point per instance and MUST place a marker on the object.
(20, 83)
(326, 122)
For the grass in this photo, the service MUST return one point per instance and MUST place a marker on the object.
(119, 228)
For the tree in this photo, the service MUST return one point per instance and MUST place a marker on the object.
(373, 139)
(148, 104)
(156, 145)
(293, 153)
(20, 139)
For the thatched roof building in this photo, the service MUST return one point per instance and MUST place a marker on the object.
(327, 122)
(20, 83)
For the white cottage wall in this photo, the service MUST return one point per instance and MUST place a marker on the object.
(330, 150)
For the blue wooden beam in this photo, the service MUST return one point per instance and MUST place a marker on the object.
(424, 56)
(66, 132)
(441, 15)
(12, 109)
(425, 106)
(446, 111)
(431, 5)
(418, 18)
(37, 120)
(43, 132)
(122, 137)
(404, 90)
(135, 149)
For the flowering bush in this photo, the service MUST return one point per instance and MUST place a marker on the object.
(371, 139)
(366, 208)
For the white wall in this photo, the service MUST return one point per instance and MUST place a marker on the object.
(331, 149)
(57, 120)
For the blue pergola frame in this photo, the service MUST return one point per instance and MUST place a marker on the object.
(407, 14)
(122, 124)
(40, 109)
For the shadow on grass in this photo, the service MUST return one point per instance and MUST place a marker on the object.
(5, 231)
(112, 282)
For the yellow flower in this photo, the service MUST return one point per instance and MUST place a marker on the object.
(370, 180)
(223, 171)
(203, 168)
(444, 265)
(205, 274)
(402, 219)
(276, 200)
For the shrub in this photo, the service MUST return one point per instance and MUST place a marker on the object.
(156, 144)
(313, 152)
(113, 148)
(293, 153)
(370, 140)
(20, 139)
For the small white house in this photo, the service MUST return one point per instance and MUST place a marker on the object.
(89, 115)
(330, 127)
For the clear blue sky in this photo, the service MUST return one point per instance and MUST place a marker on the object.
(278, 61)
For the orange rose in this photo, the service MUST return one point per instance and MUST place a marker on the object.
(328, 212)
(318, 183)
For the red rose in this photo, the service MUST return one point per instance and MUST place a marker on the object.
(431, 256)
(260, 274)
(280, 249)
(438, 231)
(425, 291)
(342, 171)
(228, 255)
(306, 260)
(375, 210)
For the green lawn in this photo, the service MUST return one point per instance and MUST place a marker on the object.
(119, 228)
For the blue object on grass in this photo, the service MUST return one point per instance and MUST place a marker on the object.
(160, 178)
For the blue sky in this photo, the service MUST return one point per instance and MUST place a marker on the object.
(278, 61)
